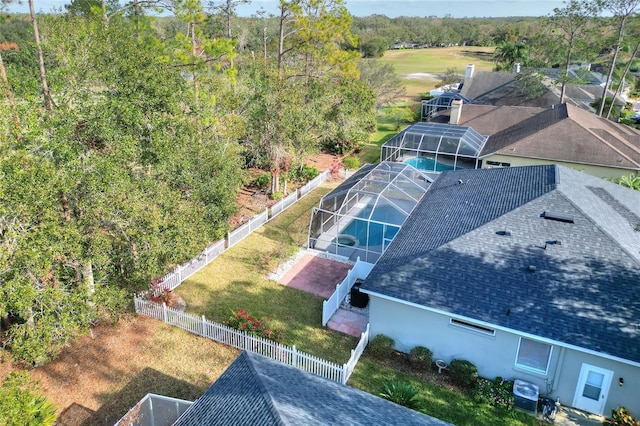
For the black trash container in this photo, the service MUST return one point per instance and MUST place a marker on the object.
(358, 298)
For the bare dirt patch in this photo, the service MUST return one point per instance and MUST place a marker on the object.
(96, 380)
(421, 76)
(251, 200)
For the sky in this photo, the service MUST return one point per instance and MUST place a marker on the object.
(390, 8)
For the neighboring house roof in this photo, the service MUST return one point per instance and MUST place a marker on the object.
(478, 247)
(255, 390)
(501, 88)
(563, 133)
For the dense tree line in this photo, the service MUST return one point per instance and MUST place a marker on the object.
(130, 160)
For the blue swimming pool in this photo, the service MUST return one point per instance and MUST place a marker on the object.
(377, 232)
(424, 163)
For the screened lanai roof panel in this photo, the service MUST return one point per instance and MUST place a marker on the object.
(434, 137)
(396, 186)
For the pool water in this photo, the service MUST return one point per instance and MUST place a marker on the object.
(377, 232)
(424, 163)
(385, 214)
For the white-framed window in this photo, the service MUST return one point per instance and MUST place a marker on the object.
(534, 355)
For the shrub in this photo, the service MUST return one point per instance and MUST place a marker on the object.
(22, 404)
(303, 173)
(381, 347)
(241, 320)
(169, 297)
(111, 302)
(400, 393)
(622, 417)
(421, 358)
(497, 392)
(351, 163)
(263, 180)
(463, 373)
(276, 195)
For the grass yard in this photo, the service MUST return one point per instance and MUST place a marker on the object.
(386, 128)
(433, 62)
(436, 399)
(238, 280)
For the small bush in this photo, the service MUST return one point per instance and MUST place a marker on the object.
(262, 181)
(169, 297)
(497, 392)
(276, 195)
(351, 163)
(303, 173)
(463, 373)
(381, 347)
(401, 393)
(21, 402)
(241, 320)
(622, 417)
(421, 358)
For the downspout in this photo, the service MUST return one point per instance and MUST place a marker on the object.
(559, 365)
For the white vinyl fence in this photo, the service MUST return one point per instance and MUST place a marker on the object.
(241, 340)
(283, 204)
(182, 272)
(243, 231)
(359, 271)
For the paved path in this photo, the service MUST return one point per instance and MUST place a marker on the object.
(316, 275)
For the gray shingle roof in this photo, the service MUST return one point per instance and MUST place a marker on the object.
(501, 88)
(255, 390)
(563, 133)
(583, 289)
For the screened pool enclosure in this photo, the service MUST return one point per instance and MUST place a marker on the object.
(362, 215)
(435, 147)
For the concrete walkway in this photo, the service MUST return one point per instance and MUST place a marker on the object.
(348, 322)
(568, 416)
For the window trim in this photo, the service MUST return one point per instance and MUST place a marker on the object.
(529, 368)
(472, 327)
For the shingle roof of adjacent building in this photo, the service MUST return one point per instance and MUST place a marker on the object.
(256, 391)
(563, 133)
(478, 246)
(501, 88)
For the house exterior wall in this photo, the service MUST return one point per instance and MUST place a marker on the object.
(495, 355)
(599, 171)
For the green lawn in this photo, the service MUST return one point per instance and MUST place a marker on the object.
(438, 60)
(435, 61)
(386, 128)
(437, 400)
(238, 280)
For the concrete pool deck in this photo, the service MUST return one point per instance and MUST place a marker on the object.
(316, 275)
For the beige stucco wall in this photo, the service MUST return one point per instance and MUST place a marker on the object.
(599, 171)
(495, 356)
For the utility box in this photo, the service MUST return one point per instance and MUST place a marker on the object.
(526, 396)
(357, 298)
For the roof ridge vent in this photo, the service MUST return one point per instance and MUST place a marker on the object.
(560, 217)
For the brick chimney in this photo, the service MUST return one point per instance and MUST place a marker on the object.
(456, 111)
